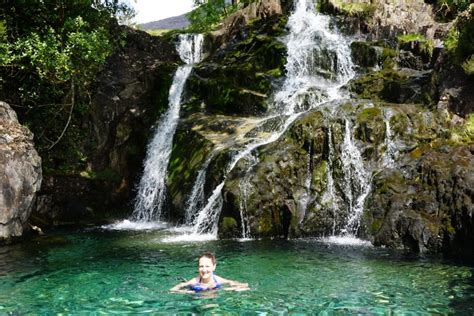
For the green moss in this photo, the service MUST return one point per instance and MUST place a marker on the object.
(416, 153)
(388, 58)
(426, 46)
(228, 224)
(375, 226)
(464, 133)
(108, 175)
(238, 80)
(188, 155)
(319, 176)
(157, 32)
(264, 225)
(368, 114)
(359, 10)
(468, 66)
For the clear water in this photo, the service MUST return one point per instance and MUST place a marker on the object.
(131, 271)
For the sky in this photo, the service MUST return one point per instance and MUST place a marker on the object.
(154, 10)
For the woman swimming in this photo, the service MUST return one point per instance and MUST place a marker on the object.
(207, 280)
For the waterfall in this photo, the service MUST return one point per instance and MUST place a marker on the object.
(389, 155)
(305, 198)
(244, 187)
(318, 64)
(152, 187)
(329, 197)
(356, 182)
(196, 198)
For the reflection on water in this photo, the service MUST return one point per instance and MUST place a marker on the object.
(131, 272)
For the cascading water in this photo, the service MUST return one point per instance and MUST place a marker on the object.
(318, 61)
(389, 156)
(305, 198)
(196, 198)
(329, 198)
(318, 64)
(356, 181)
(245, 187)
(152, 186)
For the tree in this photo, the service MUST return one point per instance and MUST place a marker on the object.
(49, 54)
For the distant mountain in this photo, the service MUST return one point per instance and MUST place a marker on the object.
(175, 22)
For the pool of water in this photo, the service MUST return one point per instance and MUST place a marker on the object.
(97, 270)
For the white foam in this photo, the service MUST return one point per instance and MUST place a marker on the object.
(193, 237)
(180, 229)
(129, 225)
(346, 240)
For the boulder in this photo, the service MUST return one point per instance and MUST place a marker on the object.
(429, 209)
(20, 174)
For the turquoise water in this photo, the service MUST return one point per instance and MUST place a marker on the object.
(130, 272)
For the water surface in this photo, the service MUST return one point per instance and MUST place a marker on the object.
(131, 271)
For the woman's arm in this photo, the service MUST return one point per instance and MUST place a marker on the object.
(181, 287)
(233, 285)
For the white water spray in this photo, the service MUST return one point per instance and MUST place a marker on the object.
(356, 181)
(245, 187)
(152, 188)
(390, 153)
(329, 198)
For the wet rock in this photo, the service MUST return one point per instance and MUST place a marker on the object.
(397, 86)
(20, 174)
(364, 54)
(430, 209)
(245, 59)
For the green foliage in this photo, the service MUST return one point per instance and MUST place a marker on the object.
(451, 41)
(3, 32)
(448, 9)
(50, 53)
(209, 13)
(465, 26)
(468, 66)
(460, 40)
(426, 46)
(358, 10)
(464, 133)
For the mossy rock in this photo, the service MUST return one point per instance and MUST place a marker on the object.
(397, 86)
(228, 227)
(239, 78)
(189, 153)
(365, 54)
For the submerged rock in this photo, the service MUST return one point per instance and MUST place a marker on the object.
(20, 174)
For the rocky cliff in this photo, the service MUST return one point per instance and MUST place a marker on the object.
(20, 174)
(398, 148)
(408, 119)
(131, 93)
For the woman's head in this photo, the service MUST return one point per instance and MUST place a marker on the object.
(206, 265)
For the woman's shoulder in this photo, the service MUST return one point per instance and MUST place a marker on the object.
(221, 279)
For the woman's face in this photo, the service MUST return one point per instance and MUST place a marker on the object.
(206, 268)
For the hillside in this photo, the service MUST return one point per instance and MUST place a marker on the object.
(175, 22)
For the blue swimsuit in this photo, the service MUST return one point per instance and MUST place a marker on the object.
(198, 287)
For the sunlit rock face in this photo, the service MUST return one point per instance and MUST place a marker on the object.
(20, 174)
